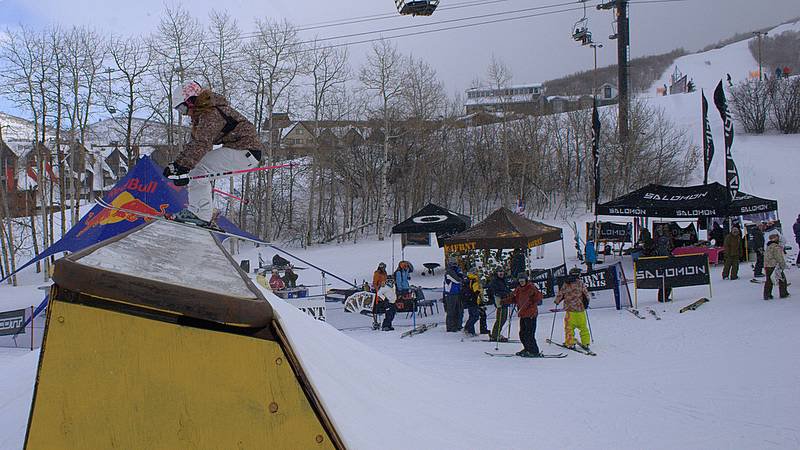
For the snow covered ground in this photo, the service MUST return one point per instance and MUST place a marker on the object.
(723, 376)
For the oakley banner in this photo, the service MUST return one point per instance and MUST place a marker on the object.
(672, 271)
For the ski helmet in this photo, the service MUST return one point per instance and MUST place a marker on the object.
(182, 93)
(575, 272)
(522, 277)
(382, 265)
(390, 282)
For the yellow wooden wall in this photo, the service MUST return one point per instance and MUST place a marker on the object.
(113, 380)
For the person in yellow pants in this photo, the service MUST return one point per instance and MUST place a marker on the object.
(575, 296)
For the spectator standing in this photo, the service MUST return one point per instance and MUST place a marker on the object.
(733, 245)
(775, 264)
(453, 309)
(758, 248)
(664, 248)
(402, 278)
(472, 300)
(499, 290)
(796, 229)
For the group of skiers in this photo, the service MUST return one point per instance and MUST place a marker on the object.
(467, 292)
(389, 288)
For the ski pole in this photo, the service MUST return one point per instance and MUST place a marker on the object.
(589, 324)
(229, 195)
(228, 173)
(553, 327)
(510, 317)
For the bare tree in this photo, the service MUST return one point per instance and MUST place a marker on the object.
(785, 99)
(132, 58)
(272, 64)
(499, 77)
(383, 74)
(750, 102)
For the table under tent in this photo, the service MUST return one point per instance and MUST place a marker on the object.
(699, 204)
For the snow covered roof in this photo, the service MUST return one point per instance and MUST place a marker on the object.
(496, 100)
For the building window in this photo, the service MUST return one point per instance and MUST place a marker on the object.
(607, 92)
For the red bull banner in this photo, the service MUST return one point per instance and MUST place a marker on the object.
(143, 189)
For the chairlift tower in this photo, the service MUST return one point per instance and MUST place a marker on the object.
(623, 60)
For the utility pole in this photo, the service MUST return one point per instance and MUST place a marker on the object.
(595, 46)
(759, 35)
(623, 72)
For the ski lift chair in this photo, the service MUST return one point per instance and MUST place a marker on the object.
(416, 7)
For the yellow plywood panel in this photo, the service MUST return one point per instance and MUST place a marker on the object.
(114, 380)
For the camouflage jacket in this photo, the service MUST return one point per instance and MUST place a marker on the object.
(572, 294)
(215, 122)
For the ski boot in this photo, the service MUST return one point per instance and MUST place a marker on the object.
(186, 216)
(585, 347)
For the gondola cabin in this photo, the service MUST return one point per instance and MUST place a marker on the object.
(416, 7)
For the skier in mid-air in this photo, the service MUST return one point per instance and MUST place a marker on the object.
(214, 122)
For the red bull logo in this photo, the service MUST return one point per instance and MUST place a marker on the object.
(123, 201)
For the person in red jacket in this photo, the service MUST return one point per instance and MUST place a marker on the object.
(527, 298)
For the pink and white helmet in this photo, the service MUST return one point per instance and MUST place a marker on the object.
(182, 93)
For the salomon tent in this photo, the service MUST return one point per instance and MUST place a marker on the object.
(708, 200)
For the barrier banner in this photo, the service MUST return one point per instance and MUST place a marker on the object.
(610, 232)
(314, 307)
(673, 271)
(12, 322)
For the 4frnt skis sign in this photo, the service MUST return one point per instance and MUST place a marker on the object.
(672, 271)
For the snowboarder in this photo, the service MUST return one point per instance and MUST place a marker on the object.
(775, 264)
(386, 293)
(527, 298)
(214, 122)
(758, 248)
(499, 290)
(379, 276)
(732, 245)
(454, 311)
(472, 299)
(575, 296)
(796, 229)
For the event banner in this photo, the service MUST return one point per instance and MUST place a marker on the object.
(672, 271)
(12, 322)
(314, 307)
(596, 280)
(611, 232)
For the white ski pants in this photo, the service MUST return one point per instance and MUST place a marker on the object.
(223, 159)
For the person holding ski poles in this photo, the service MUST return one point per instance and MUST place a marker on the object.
(575, 296)
(499, 290)
(214, 122)
(527, 297)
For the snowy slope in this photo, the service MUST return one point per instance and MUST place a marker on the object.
(708, 68)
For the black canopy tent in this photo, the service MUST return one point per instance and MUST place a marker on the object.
(706, 200)
(434, 219)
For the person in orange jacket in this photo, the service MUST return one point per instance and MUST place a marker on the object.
(527, 298)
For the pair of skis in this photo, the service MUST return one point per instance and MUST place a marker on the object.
(541, 355)
(148, 216)
(638, 314)
(576, 349)
(419, 330)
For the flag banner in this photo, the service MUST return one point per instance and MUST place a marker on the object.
(672, 271)
(708, 140)
(596, 153)
(731, 174)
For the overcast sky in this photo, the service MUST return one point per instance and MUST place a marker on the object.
(536, 48)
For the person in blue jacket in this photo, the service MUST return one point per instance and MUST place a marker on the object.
(402, 277)
(590, 255)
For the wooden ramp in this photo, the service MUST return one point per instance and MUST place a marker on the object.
(156, 339)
